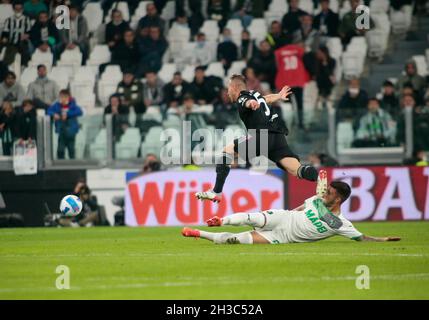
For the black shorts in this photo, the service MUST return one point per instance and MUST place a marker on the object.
(277, 147)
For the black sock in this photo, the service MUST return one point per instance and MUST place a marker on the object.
(308, 173)
(222, 171)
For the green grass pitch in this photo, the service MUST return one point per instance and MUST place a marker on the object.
(158, 263)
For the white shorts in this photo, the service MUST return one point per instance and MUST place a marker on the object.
(276, 224)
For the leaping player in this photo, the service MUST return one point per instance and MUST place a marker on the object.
(318, 218)
(256, 113)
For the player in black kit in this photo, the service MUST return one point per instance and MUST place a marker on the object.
(259, 119)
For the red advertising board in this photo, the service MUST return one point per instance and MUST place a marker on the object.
(168, 198)
(378, 193)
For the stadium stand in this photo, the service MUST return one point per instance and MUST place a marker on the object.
(398, 35)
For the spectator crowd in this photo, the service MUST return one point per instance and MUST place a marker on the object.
(293, 52)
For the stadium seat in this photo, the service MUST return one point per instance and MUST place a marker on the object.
(211, 29)
(421, 64)
(215, 69)
(121, 6)
(182, 53)
(258, 29)
(40, 57)
(379, 6)
(270, 16)
(29, 75)
(307, 5)
(352, 67)
(377, 42)
(236, 28)
(153, 113)
(141, 9)
(399, 22)
(335, 47)
(188, 73)
(80, 144)
(100, 54)
(94, 15)
(236, 67)
(381, 21)
(152, 137)
(6, 11)
(128, 146)
(278, 6)
(168, 12)
(65, 70)
(112, 72)
(105, 89)
(82, 87)
(72, 58)
(151, 149)
(178, 39)
(60, 78)
(345, 135)
(98, 149)
(167, 71)
(334, 5)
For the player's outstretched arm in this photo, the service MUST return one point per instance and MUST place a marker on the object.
(377, 239)
(282, 95)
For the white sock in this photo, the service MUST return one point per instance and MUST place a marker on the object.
(227, 237)
(233, 238)
(241, 219)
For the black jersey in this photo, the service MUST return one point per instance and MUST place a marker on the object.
(262, 118)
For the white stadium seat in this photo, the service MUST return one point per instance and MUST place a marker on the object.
(335, 47)
(379, 6)
(188, 73)
(167, 71)
(112, 71)
(421, 64)
(211, 29)
(168, 12)
(29, 75)
(72, 58)
(40, 57)
(60, 78)
(236, 67)
(94, 15)
(345, 135)
(307, 5)
(6, 11)
(215, 69)
(279, 6)
(258, 29)
(236, 28)
(100, 54)
(377, 42)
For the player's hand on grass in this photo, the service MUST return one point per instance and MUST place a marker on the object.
(252, 104)
(285, 93)
(393, 239)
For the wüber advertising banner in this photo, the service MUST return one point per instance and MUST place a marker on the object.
(167, 198)
(378, 193)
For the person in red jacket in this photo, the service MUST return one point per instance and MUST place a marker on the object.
(292, 72)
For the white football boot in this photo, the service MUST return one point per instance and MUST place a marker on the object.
(208, 195)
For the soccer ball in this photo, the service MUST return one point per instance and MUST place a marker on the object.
(71, 206)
